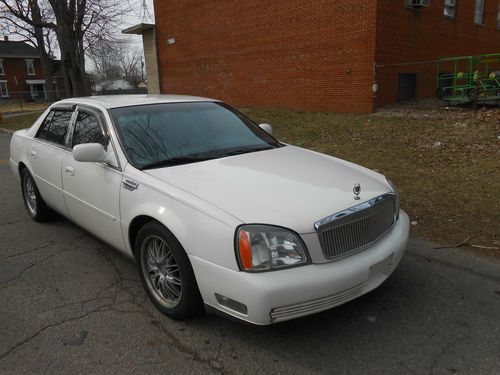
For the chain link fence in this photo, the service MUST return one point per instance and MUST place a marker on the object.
(28, 101)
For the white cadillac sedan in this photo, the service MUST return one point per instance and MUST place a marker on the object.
(216, 212)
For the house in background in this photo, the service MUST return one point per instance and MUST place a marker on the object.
(21, 73)
(343, 55)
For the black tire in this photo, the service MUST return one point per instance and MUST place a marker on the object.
(189, 302)
(35, 205)
(440, 93)
(472, 94)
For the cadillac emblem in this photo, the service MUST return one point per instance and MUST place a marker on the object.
(356, 190)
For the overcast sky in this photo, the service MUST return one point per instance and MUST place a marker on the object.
(135, 17)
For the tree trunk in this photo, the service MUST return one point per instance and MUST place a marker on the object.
(44, 56)
(70, 38)
(74, 69)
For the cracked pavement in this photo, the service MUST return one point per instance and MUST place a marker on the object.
(70, 304)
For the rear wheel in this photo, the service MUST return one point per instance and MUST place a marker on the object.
(166, 273)
(440, 93)
(36, 207)
(472, 94)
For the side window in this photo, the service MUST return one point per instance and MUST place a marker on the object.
(44, 128)
(55, 127)
(88, 130)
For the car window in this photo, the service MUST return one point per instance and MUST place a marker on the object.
(55, 127)
(44, 128)
(152, 134)
(88, 130)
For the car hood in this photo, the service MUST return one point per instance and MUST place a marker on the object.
(288, 186)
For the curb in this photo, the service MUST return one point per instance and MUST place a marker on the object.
(7, 131)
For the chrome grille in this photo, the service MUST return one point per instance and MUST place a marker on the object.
(350, 230)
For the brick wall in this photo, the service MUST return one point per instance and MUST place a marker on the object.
(15, 70)
(405, 35)
(313, 55)
(316, 55)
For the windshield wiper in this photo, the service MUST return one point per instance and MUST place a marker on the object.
(175, 161)
(243, 150)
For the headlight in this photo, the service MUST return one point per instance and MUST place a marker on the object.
(266, 247)
(396, 192)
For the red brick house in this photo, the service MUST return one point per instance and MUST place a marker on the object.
(316, 55)
(21, 73)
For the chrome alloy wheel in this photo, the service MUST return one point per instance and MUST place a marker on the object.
(161, 271)
(30, 194)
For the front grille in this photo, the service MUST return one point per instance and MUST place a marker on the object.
(350, 230)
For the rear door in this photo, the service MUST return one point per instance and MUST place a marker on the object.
(46, 153)
(91, 190)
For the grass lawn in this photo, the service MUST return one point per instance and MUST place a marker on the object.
(446, 163)
(19, 121)
(11, 107)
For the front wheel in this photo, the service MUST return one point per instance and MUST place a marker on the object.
(166, 273)
(36, 207)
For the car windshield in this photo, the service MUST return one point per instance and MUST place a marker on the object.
(159, 135)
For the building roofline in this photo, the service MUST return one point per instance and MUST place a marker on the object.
(139, 28)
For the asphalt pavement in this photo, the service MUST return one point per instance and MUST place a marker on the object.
(69, 304)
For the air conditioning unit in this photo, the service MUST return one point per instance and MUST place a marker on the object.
(415, 4)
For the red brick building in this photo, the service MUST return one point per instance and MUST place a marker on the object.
(316, 55)
(21, 73)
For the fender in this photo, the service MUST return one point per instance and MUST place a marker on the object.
(207, 235)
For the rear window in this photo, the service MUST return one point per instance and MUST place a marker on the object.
(55, 127)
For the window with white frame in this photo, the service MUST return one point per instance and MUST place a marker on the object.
(450, 8)
(479, 12)
(2, 72)
(31, 67)
(4, 92)
(498, 17)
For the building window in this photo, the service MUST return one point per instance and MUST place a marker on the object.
(450, 8)
(479, 12)
(2, 72)
(4, 92)
(498, 17)
(31, 67)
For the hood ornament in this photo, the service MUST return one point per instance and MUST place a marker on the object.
(356, 190)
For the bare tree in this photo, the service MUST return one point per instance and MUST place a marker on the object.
(116, 60)
(77, 23)
(25, 20)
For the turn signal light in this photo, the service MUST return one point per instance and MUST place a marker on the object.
(245, 251)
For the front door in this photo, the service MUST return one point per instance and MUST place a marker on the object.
(407, 86)
(91, 190)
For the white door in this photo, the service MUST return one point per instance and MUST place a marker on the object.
(91, 190)
(46, 153)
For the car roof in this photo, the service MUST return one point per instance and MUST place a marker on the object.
(116, 101)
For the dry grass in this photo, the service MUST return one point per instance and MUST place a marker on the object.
(15, 107)
(446, 163)
(19, 121)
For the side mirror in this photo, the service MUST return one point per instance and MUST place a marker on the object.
(267, 128)
(89, 152)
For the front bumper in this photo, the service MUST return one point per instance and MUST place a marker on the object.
(291, 293)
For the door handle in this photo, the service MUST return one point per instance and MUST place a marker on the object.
(33, 154)
(70, 170)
